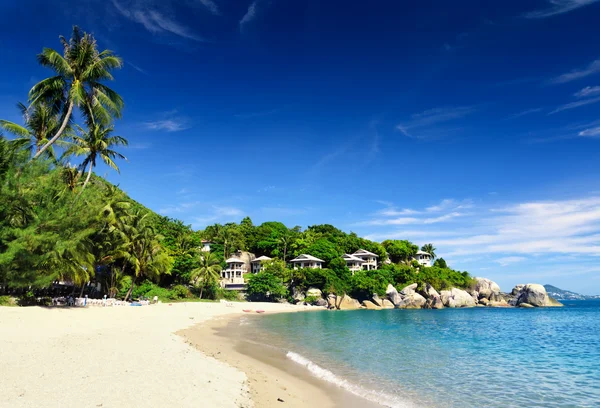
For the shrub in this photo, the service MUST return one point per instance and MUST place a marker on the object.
(311, 300)
(228, 294)
(265, 286)
(181, 292)
(8, 301)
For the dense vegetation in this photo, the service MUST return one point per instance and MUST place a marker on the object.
(62, 223)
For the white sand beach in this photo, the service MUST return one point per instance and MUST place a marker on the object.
(117, 357)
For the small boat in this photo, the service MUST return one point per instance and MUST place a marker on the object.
(246, 310)
(260, 311)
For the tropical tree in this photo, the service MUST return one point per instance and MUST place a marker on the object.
(97, 142)
(207, 273)
(78, 81)
(430, 249)
(41, 121)
(400, 250)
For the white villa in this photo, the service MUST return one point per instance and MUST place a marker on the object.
(234, 273)
(257, 263)
(369, 258)
(307, 261)
(423, 258)
(353, 263)
(205, 246)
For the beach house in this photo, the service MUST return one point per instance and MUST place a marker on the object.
(423, 258)
(233, 274)
(257, 263)
(307, 261)
(369, 258)
(353, 263)
(205, 246)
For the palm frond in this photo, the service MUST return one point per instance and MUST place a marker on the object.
(53, 60)
(15, 129)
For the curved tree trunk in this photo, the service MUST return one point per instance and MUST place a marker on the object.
(87, 179)
(62, 128)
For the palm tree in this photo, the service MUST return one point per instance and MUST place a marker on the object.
(96, 143)
(209, 271)
(430, 249)
(79, 72)
(41, 121)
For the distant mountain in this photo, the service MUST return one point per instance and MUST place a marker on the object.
(560, 294)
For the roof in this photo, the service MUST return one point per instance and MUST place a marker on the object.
(204, 241)
(364, 252)
(234, 260)
(305, 257)
(348, 257)
(261, 258)
(419, 252)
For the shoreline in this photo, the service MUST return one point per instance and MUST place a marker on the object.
(272, 377)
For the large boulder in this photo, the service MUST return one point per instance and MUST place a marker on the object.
(457, 298)
(377, 300)
(347, 303)
(429, 292)
(393, 295)
(386, 304)
(412, 301)
(297, 294)
(321, 302)
(533, 294)
(437, 303)
(314, 292)
(486, 287)
(331, 301)
(370, 305)
(409, 290)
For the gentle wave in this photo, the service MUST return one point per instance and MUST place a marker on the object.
(370, 395)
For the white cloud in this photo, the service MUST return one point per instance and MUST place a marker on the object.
(169, 125)
(591, 69)
(423, 125)
(574, 105)
(136, 67)
(153, 20)
(508, 260)
(557, 7)
(590, 132)
(449, 203)
(587, 91)
(218, 214)
(449, 209)
(250, 14)
(211, 6)
(525, 112)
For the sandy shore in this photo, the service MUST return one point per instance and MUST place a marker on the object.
(130, 356)
(115, 357)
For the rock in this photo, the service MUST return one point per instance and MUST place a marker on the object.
(498, 303)
(456, 298)
(370, 305)
(525, 305)
(437, 303)
(474, 294)
(429, 292)
(393, 295)
(517, 290)
(386, 304)
(409, 290)
(377, 300)
(486, 287)
(321, 302)
(297, 294)
(484, 301)
(314, 292)
(331, 301)
(533, 294)
(412, 301)
(347, 303)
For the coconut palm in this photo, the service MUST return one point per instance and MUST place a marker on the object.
(208, 272)
(96, 143)
(79, 72)
(41, 121)
(430, 249)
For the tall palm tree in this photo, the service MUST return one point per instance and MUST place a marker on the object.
(41, 121)
(79, 72)
(208, 272)
(96, 143)
(430, 249)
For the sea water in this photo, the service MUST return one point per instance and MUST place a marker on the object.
(479, 357)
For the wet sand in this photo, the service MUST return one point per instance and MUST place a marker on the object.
(272, 378)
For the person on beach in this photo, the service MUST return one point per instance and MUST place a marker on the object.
(104, 301)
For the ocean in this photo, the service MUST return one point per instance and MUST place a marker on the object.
(492, 357)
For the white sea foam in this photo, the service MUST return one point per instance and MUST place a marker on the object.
(371, 395)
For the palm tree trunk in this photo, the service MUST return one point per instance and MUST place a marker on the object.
(87, 179)
(82, 289)
(130, 289)
(58, 133)
(201, 290)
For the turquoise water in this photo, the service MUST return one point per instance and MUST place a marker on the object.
(450, 358)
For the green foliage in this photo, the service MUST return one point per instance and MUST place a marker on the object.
(365, 283)
(266, 287)
(400, 250)
(440, 263)
(430, 249)
(277, 268)
(311, 300)
(8, 301)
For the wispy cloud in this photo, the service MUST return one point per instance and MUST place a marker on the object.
(524, 113)
(509, 260)
(574, 105)
(592, 132)
(265, 189)
(587, 92)
(556, 7)
(218, 214)
(154, 21)
(422, 125)
(169, 125)
(211, 6)
(591, 69)
(446, 210)
(137, 68)
(250, 15)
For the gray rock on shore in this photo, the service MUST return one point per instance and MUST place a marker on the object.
(532, 294)
(486, 288)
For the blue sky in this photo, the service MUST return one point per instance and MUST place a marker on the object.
(473, 125)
